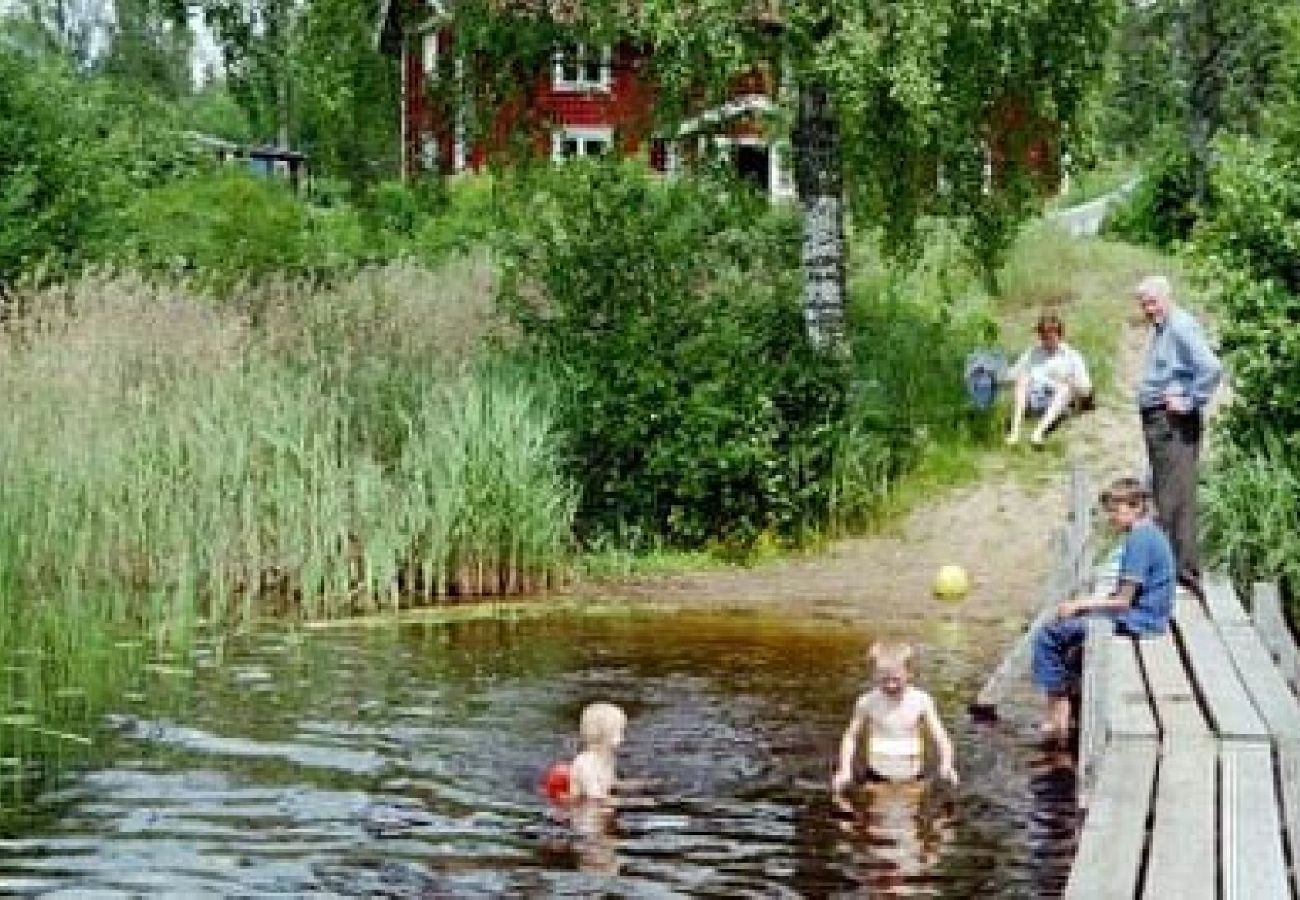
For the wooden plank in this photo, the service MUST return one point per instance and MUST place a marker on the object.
(1221, 601)
(1128, 705)
(1270, 622)
(1276, 704)
(1016, 661)
(1226, 702)
(1179, 715)
(1253, 859)
(1109, 860)
(1092, 716)
(1182, 859)
(1288, 762)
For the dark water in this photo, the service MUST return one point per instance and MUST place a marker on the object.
(403, 762)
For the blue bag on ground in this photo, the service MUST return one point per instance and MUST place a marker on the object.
(985, 369)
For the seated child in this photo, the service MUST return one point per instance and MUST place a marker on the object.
(1049, 378)
(593, 773)
(892, 713)
(1140, 603)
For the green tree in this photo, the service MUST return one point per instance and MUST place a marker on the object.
(884, 96)
(307, 76)
(149, 46)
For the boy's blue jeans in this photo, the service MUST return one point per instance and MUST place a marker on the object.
(1058, 652)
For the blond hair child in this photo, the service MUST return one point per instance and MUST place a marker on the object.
(892, 713)
(594, 771)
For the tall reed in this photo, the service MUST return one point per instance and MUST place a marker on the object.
(1251, 515)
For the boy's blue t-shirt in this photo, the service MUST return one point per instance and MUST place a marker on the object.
(1148, 562)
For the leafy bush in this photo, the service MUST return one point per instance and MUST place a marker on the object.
(695, 409)
(1161, 211)
(1249, 246)
(225, 227)
(66, 167)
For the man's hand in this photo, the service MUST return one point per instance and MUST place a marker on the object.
(1176, 401)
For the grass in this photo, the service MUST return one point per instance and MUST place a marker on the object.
(167, 461)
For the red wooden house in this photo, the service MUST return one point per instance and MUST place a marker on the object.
(587, 101)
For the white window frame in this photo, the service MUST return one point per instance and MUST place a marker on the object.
(581, 134)
(429, 52)
(582, 58)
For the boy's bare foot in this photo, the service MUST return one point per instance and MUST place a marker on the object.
(1013, 438)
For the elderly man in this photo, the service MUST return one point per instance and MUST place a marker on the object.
(1180, 374)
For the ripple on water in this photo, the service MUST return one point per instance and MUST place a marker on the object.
(405, 764)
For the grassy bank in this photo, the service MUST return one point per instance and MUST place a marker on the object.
(309, 452)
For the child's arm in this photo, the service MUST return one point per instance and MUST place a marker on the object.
(848, 748)
(939, 734)
(1118, 601)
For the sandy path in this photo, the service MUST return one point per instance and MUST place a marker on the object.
(998, 528)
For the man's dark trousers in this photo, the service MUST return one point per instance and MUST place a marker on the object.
(1174, 448)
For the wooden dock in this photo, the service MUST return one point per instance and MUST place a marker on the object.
(1189, 756)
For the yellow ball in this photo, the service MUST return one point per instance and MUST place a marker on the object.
(951, 583)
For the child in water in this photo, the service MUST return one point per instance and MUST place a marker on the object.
(594, 771)
(892, 713)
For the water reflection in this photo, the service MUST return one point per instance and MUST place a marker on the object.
(404, 762)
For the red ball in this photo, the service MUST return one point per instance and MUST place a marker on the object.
(555, 783)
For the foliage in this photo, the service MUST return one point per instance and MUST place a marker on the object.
(914, 86)
(67, 167)
(225, 227)
(1250, 247)
(693, 409)
(309, 74)
(1162, 209)
(1252, 513)
(181, 463)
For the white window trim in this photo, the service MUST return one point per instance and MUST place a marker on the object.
(429, 52)
(580, 134)
(582, 84)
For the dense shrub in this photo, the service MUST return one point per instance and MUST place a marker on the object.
(694, 407)
(1161, 211)
(226, 227)
(1249, 246)
(68, 164)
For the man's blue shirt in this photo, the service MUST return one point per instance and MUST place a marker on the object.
(1179, 355)
(1148, 562)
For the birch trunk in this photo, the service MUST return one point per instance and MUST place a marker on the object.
(819, 178)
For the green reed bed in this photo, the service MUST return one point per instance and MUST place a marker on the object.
(1251, 514)
(316, 454)
(169, 460)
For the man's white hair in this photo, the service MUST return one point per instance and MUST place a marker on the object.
(1157, 286)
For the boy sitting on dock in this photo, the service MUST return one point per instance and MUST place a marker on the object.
(892, 714)
(1140, 604)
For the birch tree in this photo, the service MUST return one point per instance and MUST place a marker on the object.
(897, 106)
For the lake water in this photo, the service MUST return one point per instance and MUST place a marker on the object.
(403, 761)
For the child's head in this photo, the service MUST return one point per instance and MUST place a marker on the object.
(1125, 501)
(602, 725)
(890, 665)
(1051, 330)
